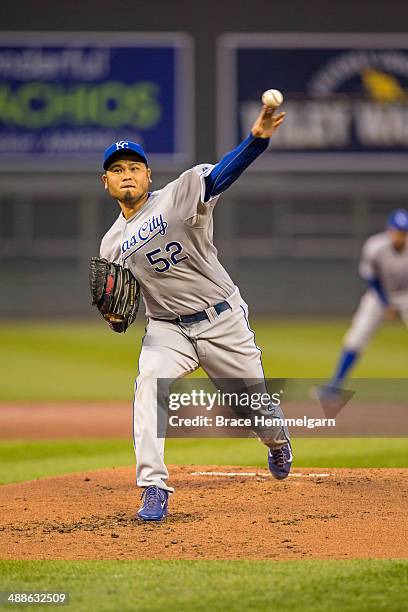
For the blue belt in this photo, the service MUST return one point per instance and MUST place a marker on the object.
(201, 316)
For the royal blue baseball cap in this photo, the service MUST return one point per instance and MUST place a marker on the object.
(398, 219)
(117, 149)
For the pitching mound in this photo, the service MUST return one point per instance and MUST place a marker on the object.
(216, 513)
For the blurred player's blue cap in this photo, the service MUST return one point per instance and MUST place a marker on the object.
(398, 219)
(123, 147)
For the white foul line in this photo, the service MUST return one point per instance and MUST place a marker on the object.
(262, 474)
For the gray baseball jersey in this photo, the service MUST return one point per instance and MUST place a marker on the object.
(380, 260)
(168, 246)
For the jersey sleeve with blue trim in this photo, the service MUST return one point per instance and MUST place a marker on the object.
(189, 192)
(369, 266)
(232, 165)
(372, 248)
(204, 183)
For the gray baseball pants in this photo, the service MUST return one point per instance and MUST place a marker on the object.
(223, 346)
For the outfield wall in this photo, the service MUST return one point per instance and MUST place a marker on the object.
(291, 241)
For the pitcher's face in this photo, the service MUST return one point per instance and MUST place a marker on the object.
(127, 179)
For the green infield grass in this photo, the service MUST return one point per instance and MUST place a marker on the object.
(151, 586)
(27, 460)
(85, 361)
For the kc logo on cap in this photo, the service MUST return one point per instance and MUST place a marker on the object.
(122, 147)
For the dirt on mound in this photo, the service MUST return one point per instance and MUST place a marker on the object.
(216, 513)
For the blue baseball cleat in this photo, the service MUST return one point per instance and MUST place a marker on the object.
(280, 461)
(154, 507)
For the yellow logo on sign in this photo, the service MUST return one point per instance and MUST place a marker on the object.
(383, 88)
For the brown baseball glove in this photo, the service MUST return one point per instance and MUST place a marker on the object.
(115, 292)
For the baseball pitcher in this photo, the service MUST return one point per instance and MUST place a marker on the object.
(195, 313)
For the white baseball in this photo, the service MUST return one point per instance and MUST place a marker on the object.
(272, 98)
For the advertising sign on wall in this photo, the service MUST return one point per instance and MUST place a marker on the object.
(346, 98)
(64, 97)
